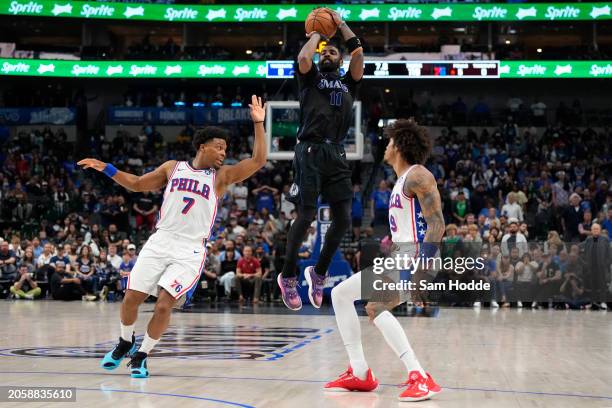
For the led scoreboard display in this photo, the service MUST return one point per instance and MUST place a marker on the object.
(431, 69)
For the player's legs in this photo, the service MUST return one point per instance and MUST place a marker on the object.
(358, 377)
(287, 279)
(420, 385)
(341, 221)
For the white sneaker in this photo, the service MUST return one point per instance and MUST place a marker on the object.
(604, 306)
(494, 304)
(29, 297)
(534, 305)
(477, 304)
(519, 304)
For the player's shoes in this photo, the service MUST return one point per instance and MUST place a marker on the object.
(434, 388)
(289, 293)
(123, 349)
(316, 284)
(348, 382)
(418, 388)
(138, 365)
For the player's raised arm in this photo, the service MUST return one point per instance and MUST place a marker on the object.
(151, 181)
(308, 51)
(353, 43)
(246, 168)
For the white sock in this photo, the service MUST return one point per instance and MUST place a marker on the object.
(127, 332)
(396, 338)
(147, 344)
(343, 297)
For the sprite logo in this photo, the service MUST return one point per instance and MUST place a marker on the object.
(404, 13)
(99, 11)
(255, 14)
(184, 14)
(344, 13)
(135, 70)
(212, 70)
(553, 13)
(481, 13)
(31, 7)
(597, 70)
(78, 70)
(536, 69)
(8, 68)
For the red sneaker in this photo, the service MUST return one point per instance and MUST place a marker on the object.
(433, 387)
(417, 389)
(348, 382)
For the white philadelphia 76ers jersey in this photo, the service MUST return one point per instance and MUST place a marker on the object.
(406, 220)
(190, 204)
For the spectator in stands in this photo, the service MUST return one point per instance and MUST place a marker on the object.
(25, 287)
(8, 260)
(572, 216)
(240, 194)
(584, 228)
(512, 209)
(265, 198)
(607, 223)
(357, 211)
(107, 275)
(379, 204)
(461, 207)
(146, 211)
(514, 239)
(524, 277)
(548, 281)
(85, 271)
(127, 264)
(505, 279)
(229, 265)
(248, 276)
(64, 286)
(598, 258)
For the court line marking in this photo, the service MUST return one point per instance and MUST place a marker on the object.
(161, 394)
(549, 394)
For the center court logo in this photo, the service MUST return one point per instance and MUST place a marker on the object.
(200, 342)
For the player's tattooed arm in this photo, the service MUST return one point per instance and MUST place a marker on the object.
(151, 181)
(228, 175)
(422, 183)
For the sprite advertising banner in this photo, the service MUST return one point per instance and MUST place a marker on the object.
(292, 12)
(284, 69)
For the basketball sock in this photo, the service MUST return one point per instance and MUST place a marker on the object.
(295, 238)
(343, 297)
(147, 344)
(127, 331)
(341, 221)
(396, 338)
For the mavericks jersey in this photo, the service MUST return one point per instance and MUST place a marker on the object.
(190, 203)
(406, 220)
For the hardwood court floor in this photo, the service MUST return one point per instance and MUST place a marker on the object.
(506, 358)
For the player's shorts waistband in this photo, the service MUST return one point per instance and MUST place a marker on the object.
(181, 237)
(321, 141)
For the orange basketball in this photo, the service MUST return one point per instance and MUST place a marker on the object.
(321, 21)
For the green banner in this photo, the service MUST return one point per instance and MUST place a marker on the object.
(289, 12)
(277, 69)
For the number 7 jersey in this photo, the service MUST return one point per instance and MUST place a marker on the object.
(190, 203)
(406, 219)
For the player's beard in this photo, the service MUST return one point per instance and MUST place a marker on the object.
(327, 65)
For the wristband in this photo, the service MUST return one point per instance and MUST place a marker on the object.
(353, 43)
(110, 170)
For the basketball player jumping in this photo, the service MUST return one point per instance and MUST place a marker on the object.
(172, 259)
(320, 165)
(415, 217)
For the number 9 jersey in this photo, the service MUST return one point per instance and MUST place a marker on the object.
(406, 220)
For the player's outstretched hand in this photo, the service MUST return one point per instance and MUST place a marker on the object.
(92, 164)
(258, 109)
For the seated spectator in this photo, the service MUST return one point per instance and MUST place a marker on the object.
(114, 259)
(84, 270)
(64, 286)
(108, 276)
(524, 278)
(8, 270)
(25, 286)
(229, 264)
(505, 278)
(146, 211)
(512, 209)
(124, 270)
(514, 239)
(267, 277)
(248, 276)
(548, 280)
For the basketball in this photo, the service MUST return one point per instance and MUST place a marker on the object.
(321, 21)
